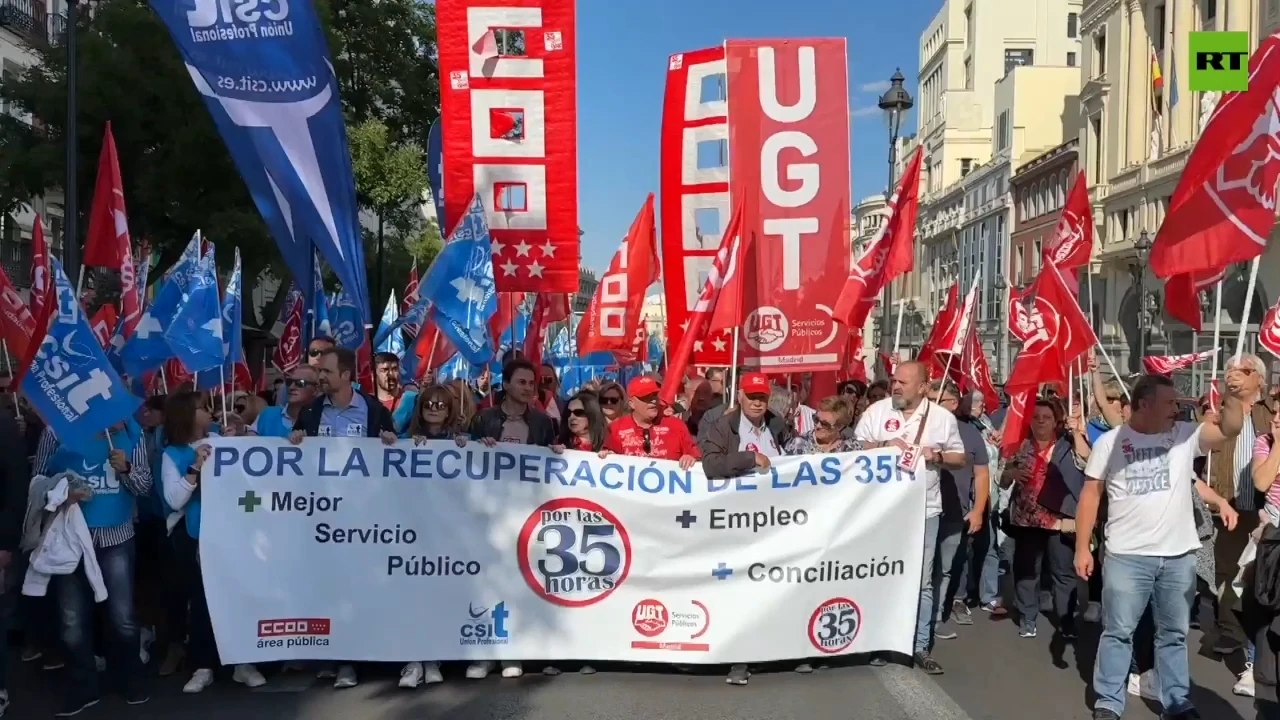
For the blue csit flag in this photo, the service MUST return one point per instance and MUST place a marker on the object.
(264, 71)
(347, 323)
(393, 340)
(141, 273)
(70, 383)
(148, 349)
(195, 334)
(232, 346)
(319, 308)
(435, 171)
(460, 285)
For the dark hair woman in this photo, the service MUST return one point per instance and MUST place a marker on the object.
(585, 427)
(186, 424)
(436, 415)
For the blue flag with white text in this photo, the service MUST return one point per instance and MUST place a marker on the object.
(461, 287)
(345, 318)
(232, 327)
(148, 349)
(70, 383)
(195, 334)
(264, 71)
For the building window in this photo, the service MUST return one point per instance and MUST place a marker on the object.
(1019, 274)
(968, 74)
(1002, 131)
(1017, 57)
(1073, 25)
(1071, 59)
(1100, 53)
(1157, 34)
(966, 165)
(1095, 145)
(1035, 260)
(1210, 11)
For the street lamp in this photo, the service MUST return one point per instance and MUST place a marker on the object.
(895, 103)
(1001, 287)
(1143, 246)
(70, 198)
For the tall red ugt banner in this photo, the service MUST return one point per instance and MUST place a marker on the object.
(508, 97)
(789, 165)
(695, 192)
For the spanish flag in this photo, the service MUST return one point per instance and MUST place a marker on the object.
(1157, 80)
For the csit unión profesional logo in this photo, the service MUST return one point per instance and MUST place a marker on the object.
(485, 626)
(239, 19)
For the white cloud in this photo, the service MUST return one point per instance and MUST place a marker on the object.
(868, 111)
(878, 86)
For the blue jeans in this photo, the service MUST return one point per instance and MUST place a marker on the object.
(990, 548)
(949, 573)
(77, 610)
(924, 612)
(1129, 583)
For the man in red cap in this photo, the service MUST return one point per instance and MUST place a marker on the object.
(648, 432)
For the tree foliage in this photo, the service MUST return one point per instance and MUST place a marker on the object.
(177, 173)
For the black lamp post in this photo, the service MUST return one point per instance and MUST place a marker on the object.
(895, 103)
(1001, 286)
(71, 201)
(1143, 246)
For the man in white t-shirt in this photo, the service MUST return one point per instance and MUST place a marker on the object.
(1145, 468)
(930, 440)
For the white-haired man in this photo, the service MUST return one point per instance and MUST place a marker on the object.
(1231, 477)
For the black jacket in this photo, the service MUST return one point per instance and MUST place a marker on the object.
(721, 457)
(488, 424)
(15, 478)
(380, 419)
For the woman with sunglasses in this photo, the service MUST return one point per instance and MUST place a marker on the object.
(437, 415)
(586, 427)
(613, 400)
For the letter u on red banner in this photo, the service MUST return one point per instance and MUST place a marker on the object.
(789, 166)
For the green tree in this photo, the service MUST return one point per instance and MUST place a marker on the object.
(177, 173)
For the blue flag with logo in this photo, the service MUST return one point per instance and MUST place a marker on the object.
(195, 334)
(435, 172)
(348, 325)
(460, 285)
(393, 340)
(70, 383)
(232, 342)
(264, 71)
(319, 308)
(148, 348)
(142, 270)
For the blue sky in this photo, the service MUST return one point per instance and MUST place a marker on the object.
(623, 47)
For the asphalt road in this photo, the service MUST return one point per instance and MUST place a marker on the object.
(991, 674)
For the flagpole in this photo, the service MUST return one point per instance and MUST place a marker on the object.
(1217, 352)
(897, 333)
(1093, 321)
(1107, 356)
(733, 369)
(1071, 387)
(164, 380)
(1248, 305)
(222, 382)
(8, 364)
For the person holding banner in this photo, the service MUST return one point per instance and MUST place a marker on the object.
(186, 424)
(648, 432)
(341, 411)
(1146, 469)
(117, 467)
(586, 428)
(929, 438)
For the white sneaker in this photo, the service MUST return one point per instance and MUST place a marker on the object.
(1244, 686)
(479, 670)
(431, 673)
(512, 669)
(200, 680)
(248, 676)
(146, 638)
(411, 675)
(346, 677)
(1144, 686)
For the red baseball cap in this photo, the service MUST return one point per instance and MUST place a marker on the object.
(754, 383)
(643, 386)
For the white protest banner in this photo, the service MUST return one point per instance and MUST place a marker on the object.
(347, 549)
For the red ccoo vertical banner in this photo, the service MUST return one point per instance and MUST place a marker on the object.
(508, 97)
(695, 191)
(789, 167)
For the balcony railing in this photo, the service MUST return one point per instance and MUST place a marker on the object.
(31, 20)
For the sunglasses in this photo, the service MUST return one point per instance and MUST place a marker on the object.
(436, 405)
(610, 400)
(648, 399)
(300, 383)
(578, 412)
(825, 425)
(315, 352)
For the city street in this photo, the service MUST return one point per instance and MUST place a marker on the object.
(991, 675)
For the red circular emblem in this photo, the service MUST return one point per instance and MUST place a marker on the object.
(649, 618)
(753, 448)
(892, 424)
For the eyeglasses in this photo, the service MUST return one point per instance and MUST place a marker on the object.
(578, 412)
(610, 400)
(823, 424)
(436, 405)
(300, 383)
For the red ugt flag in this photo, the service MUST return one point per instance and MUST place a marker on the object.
(1072, 243)
(1224, 206)
(614, 318)
(107, 242)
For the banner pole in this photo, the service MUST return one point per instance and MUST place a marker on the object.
(8, 366)
(222, 385)
(897, 333)
(1248, 305)
(1107, 356)
(1217, 340)
(733, 371)
(1093, 322)
(164, 380)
